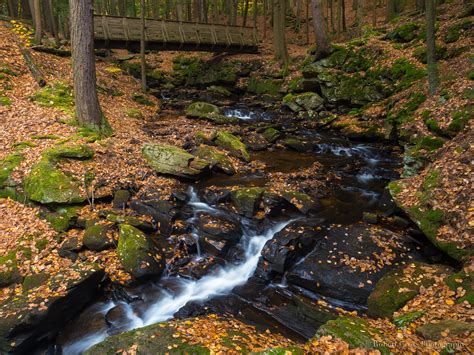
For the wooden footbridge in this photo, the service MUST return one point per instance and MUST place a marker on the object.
(125, 32)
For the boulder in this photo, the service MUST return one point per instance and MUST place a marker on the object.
(247, 200)
(265, 86)
(347, 261)
(451, 327)
(216, 159)
(210, 112)
(9, 273)
(308, 101)
(399, 286)
(77, 151)
(48, 184)
(69, 248)
(300, 200)
(233, 144)
(218, 227)
(137, 254)
(171, 160)
(271, 134)
(256, 141)
(298, 144)
(121, 198)
(96, 236)
(7, 165)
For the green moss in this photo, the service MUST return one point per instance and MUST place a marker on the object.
(23, 145)
(406, 319)
(9, 273)
(293, 350)
(35, 280)
(41, 244)
(45, 136)
(470, 75)
(233, 144)
(454, 32)
(464, 281)
(62, 218)
(355, 331)
(429, 144)
(58, 95)
(7, 166)
(134, 113)
(246, 200)
(5, 69)
(441, 53)
(77, 151)
(208, 112)
(260, 86)
(5, 101)
(458, 122)
(142, 100)
(271, 134)
(404, 33)
(405, 73)
(395, 188)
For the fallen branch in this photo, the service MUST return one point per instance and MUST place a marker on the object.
(31, 65)
(51, 50)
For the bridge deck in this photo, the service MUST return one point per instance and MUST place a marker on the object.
(125, 32)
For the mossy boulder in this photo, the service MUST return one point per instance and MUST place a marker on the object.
(404, 33)
(247, 200)
(300, 200)
(355, 331)
(399, 286)
(210, 112)
(219, 90)
(137, 254)
(265, 86)
(300, 144)
(441, 53)
(121, 198)
(5, 101)
(9, 273)
(232, 144)
(77, 151)
(96, 236)
(217, 160)
(404, 320)
(57, 94)
(7, 165)
(48, 184)
(171, 160)
(452, 327)
(62, 217)
(453, 33)
(35, 280)
(307, 101)
(271, 134)
(464, 282)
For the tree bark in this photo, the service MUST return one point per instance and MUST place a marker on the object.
(37, 20)
(12, 9)
(279, 38)
(390, 10)
(88, 112)
(142, 45)
(431, 46)
(322, 41)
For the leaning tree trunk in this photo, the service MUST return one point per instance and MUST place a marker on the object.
(322, 40)
(88, 110)
(431, 46)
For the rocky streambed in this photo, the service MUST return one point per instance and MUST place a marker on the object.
(250, 245)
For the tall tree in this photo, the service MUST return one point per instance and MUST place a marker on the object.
(391, 10)
(88, 112)
(142, 44)
(279, 37)
(431, 45)
(322, 40)
(37, 20)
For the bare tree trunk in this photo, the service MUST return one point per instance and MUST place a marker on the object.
(279, 38)
(255, 13)
(343, 13)
(142, 45)
(265, 18)
(322, 40)
(307, 22)
(246, 11)
(339, 18)
(431, 46)
(37, 20)
(390, 10)
(374, 13)
(12, 9)
(88, 110)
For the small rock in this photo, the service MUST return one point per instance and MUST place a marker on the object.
(121, 198)
(370, 218)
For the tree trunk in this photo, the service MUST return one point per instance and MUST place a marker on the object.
(88, 110)
(431, 46)
(37, 20)
(142, 45)
(390, 10)
(343, 13)
(307, 22)
(322, 40)
(279, 38)
(374, 13)
(12, 9)
(246, 11)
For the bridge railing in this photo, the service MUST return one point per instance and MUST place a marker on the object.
(176, 33)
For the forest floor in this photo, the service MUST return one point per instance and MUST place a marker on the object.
(30, 127)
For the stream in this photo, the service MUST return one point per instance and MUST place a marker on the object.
(359, 174)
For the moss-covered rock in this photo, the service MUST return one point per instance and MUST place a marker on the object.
(246, 201)
(76, 151)
(399, 286)
(167, 159)
(210, 112)
(434, 331)
(121, 198)
(298, 144)
(271, 134)
(48, 184)
(35, 280)
(300, 200)
(308, 101)
(404, 33)
(404, 320)
(217, 160)
(62, 217)
(420, 53)
(137, 254)
(134, 113)
(219, 90)
(453, 33)
(355, 331)
(9, 273)
(96, 236)
(7, 165)
(233, 144)
(57, 94)
(142, 100)
(265, 86)
(464, 282)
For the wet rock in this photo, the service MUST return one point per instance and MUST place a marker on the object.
(9, 273)
(117, 318)
(23, 328)
(121, 198)
(265, 86)
(271, 134)
(208, 112)
(453, 327)
(233, 144)
(301, 201)
(298, 144)
(286, 247)
(215, 197)
(246, 201)
(69, 248)
(347, 262)
(167, 159)
(370, 218)
(137, 255)
(465, 281)
(48, 184)
(218, 227)
(96, 237)
(35, 280)
(203, 138)
(163, 212)
(256, 141)
(308, 101)
(355, 331)
(399, 286)
(217, 160)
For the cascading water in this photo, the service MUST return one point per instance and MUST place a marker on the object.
(221, 282)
